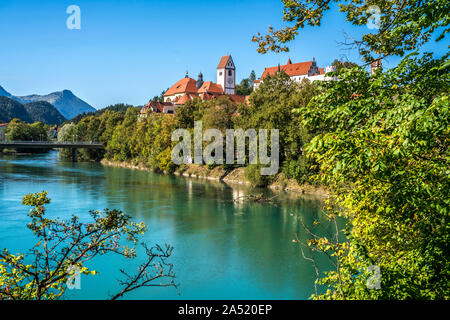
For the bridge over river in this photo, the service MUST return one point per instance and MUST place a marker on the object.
(52, 145)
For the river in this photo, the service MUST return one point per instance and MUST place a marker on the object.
(223, 249)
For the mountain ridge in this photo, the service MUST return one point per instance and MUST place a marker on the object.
(10, 109)
(30, 112)
(65, 101)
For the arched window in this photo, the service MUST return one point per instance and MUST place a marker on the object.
(230, 73)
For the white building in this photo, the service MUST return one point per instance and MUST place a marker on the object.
(226, 74)
(298, 71)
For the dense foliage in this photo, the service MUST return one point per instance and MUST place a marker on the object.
(39, 111)
(119, 107)
(381, 146)
(383, 152)
(92, 129)
(245, 87)
(143, 140)
(271, 107)
(22, 131)
(147, 140)
(11, 109)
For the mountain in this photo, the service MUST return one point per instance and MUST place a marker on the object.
(10, 109)
(68, 104)
(4, 93)
(44, 112)
(65, 101)
(30, 112)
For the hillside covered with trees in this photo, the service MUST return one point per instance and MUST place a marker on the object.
(39, 111)
(10, 109)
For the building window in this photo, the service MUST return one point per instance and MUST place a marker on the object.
(229, 73)
(220, 73)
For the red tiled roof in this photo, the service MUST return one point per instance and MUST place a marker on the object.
(237, 98)
(155, 104)
(293, 69)
(209, 95)
(321, 71)
(184, 85)
(223, 62)
(210, 86)
(185, 98)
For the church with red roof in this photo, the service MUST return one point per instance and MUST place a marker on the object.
(187, 88)
(297, 71)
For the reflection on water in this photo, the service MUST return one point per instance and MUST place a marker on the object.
(224, 247)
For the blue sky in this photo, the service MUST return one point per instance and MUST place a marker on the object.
(129, 51)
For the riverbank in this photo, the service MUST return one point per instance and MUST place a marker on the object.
(212, 227)
(235, 176)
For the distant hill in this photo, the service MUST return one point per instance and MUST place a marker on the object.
(65, 101)
(68, 104)
(30, 112)
(120, 107)
(10, 109)
(44, 112)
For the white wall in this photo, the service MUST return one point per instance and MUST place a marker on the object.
(221, 78)
(170, 98)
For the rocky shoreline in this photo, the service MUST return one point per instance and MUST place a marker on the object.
(235, 176)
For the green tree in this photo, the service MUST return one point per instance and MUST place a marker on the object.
(21, 131)
(218, 114)
(66, 245)
(246, 85)
(188, 113)
(381, 146)
(403, 25)
(383, 152)
(92, 128)
(270, 107)
(338, 64)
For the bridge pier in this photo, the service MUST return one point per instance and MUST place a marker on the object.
(74, 154)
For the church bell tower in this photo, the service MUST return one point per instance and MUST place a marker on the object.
(226, 74)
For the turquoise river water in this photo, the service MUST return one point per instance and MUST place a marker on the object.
(223, 249)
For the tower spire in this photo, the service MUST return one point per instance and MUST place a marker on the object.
(199, 81)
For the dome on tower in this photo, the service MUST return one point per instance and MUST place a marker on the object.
(199, 81)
